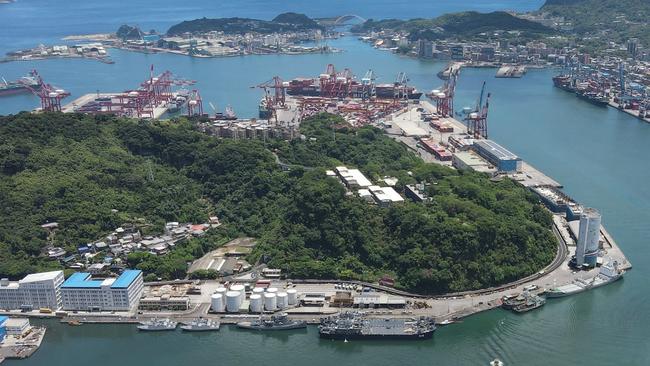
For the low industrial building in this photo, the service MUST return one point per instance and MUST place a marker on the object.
(36, 290)
(16, 326)
(378, 300)
(385, 196)
(416, 192)
(466, 160)
(164, 302)
(352, 178)
(82, 292)
(502, 158)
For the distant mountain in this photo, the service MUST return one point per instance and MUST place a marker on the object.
(456, 24)
(286, 22)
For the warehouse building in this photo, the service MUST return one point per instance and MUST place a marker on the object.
(470, 161)
(36, 290)
(81, 292)
(502, 158)
(353, 178)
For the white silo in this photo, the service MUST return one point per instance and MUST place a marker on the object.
(272, 290)
(282, 300)
(256, 303)
(216, 303)
(270, 301)
(588, 237)
(242, 292)
(258, 291)
(222, 291)
(292, 296)
(233, 301)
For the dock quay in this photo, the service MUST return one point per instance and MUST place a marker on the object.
(19, 347)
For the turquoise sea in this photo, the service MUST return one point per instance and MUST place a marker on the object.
(600, 155)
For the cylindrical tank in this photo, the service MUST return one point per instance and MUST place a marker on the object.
(242, 291)
(256, 303)
(588, 237)
(282, 300)
(292, 296)
(233, 301)
(258, 291)
(222, 291)
(216, 303)
(272, 290)
(270, 301)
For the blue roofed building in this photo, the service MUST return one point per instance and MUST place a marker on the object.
(83, 292)
(502, 158)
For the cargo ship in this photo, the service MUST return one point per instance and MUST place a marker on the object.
(19, 86)
(277, 322)
(564, 82)
(607, 274)
(594, 98)
(355, 325)
(348, 87)
(264, 112)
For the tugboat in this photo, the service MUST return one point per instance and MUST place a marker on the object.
(354, 325)
(277, 322)
(532, 302)
(201, 325)
(157, 325)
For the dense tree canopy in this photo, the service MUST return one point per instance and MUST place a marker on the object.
(74, 169)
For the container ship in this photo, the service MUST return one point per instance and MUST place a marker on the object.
(594, 98)
(564, 82)
(608, 273)
(17, 87)
(354, 325)
(347, 87)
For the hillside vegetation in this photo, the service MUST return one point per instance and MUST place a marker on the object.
(618, 20)
(465, 24)
(286, 22)
(75, 169)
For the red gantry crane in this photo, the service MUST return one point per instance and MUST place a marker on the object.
(444, 97)
(50, 96)
(477, 119)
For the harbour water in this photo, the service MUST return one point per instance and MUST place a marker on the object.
(599, 155)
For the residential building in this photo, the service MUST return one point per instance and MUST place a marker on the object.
(81, 292)
(37, 290)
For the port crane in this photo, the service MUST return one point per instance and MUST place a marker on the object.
(368, 90)
(276, 100)
(50, 96)
(477, 119)
(444, 97)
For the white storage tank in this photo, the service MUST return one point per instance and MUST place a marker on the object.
(222, 291)
(588, 237)
(233, 301)
(270, 301)
(292, 296)
(256, 303)
(216, 303)
(242, 292)
(282, 300)
(272, 290)
(258, 291)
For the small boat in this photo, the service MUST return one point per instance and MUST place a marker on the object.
(496, 362)
(446, 322)
(74, 322)
(201, 325)
(157, 325)
(532, 302)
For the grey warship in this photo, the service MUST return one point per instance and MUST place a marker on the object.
(276, 322)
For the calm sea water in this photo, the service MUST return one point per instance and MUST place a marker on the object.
(600, 155)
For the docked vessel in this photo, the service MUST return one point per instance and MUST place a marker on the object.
(354, 325)
(593, 98)
(510, 301)
(564, 82)
(531, 302)
(264, 111)
(157, 325)
(201, 325)
(22, 85)
(276, 322)
(607, 274)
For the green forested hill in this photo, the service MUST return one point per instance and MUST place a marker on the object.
(621, 19)
(75, 169)
(465, 24)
